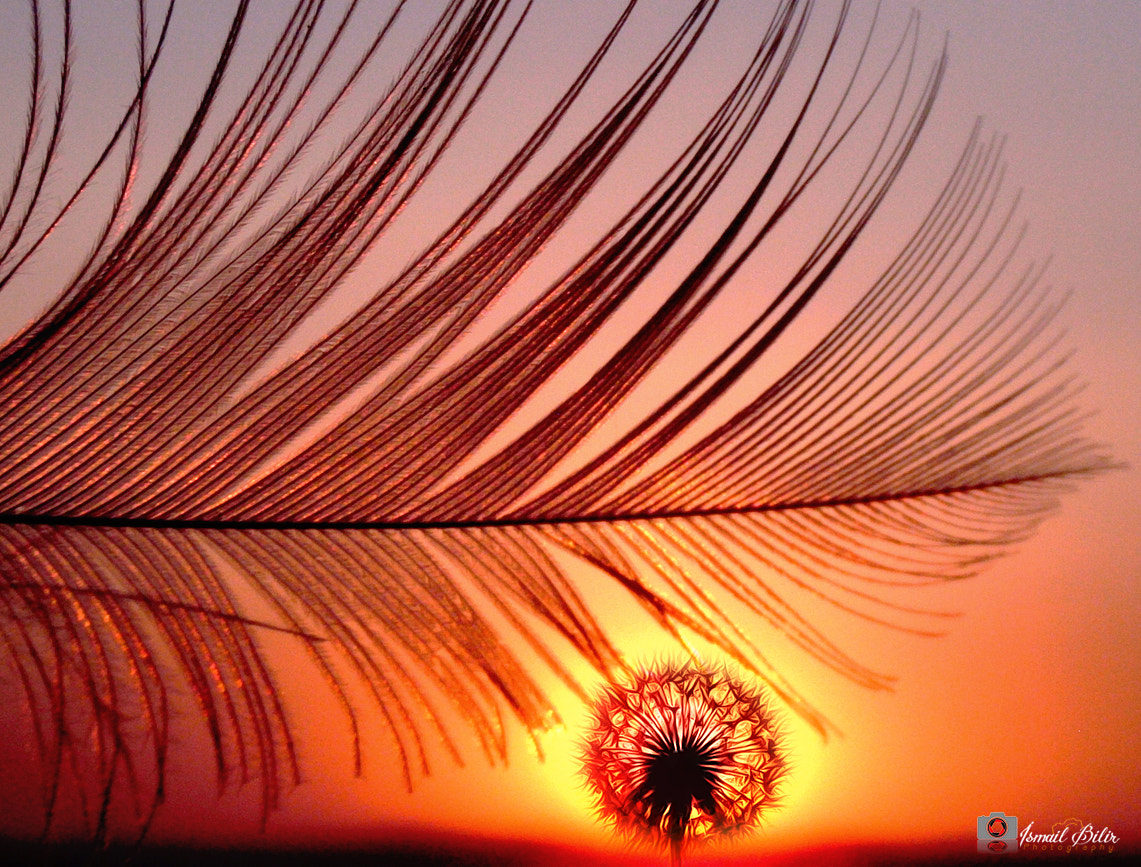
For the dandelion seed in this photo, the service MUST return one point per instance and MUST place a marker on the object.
(683, 754)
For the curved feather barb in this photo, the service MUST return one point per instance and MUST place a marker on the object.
(186, 474)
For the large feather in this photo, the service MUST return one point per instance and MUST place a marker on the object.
(174, 488)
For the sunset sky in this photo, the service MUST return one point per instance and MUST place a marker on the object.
(1030, 703)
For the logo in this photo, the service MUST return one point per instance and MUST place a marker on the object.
(996, 827)
(1072, 835)
(997, 832)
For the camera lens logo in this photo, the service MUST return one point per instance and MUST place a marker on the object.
(997, 832)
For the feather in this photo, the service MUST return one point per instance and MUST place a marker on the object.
(180, 481)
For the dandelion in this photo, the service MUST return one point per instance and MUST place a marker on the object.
(683, 754)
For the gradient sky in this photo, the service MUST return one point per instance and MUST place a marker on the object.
(1031, 704)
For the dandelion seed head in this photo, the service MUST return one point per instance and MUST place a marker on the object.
(682, 753)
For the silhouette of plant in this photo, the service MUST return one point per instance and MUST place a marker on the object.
(183, 477)
(680, 753)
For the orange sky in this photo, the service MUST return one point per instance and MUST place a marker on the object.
(1030, 705)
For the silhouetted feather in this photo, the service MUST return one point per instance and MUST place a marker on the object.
(164, 474)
